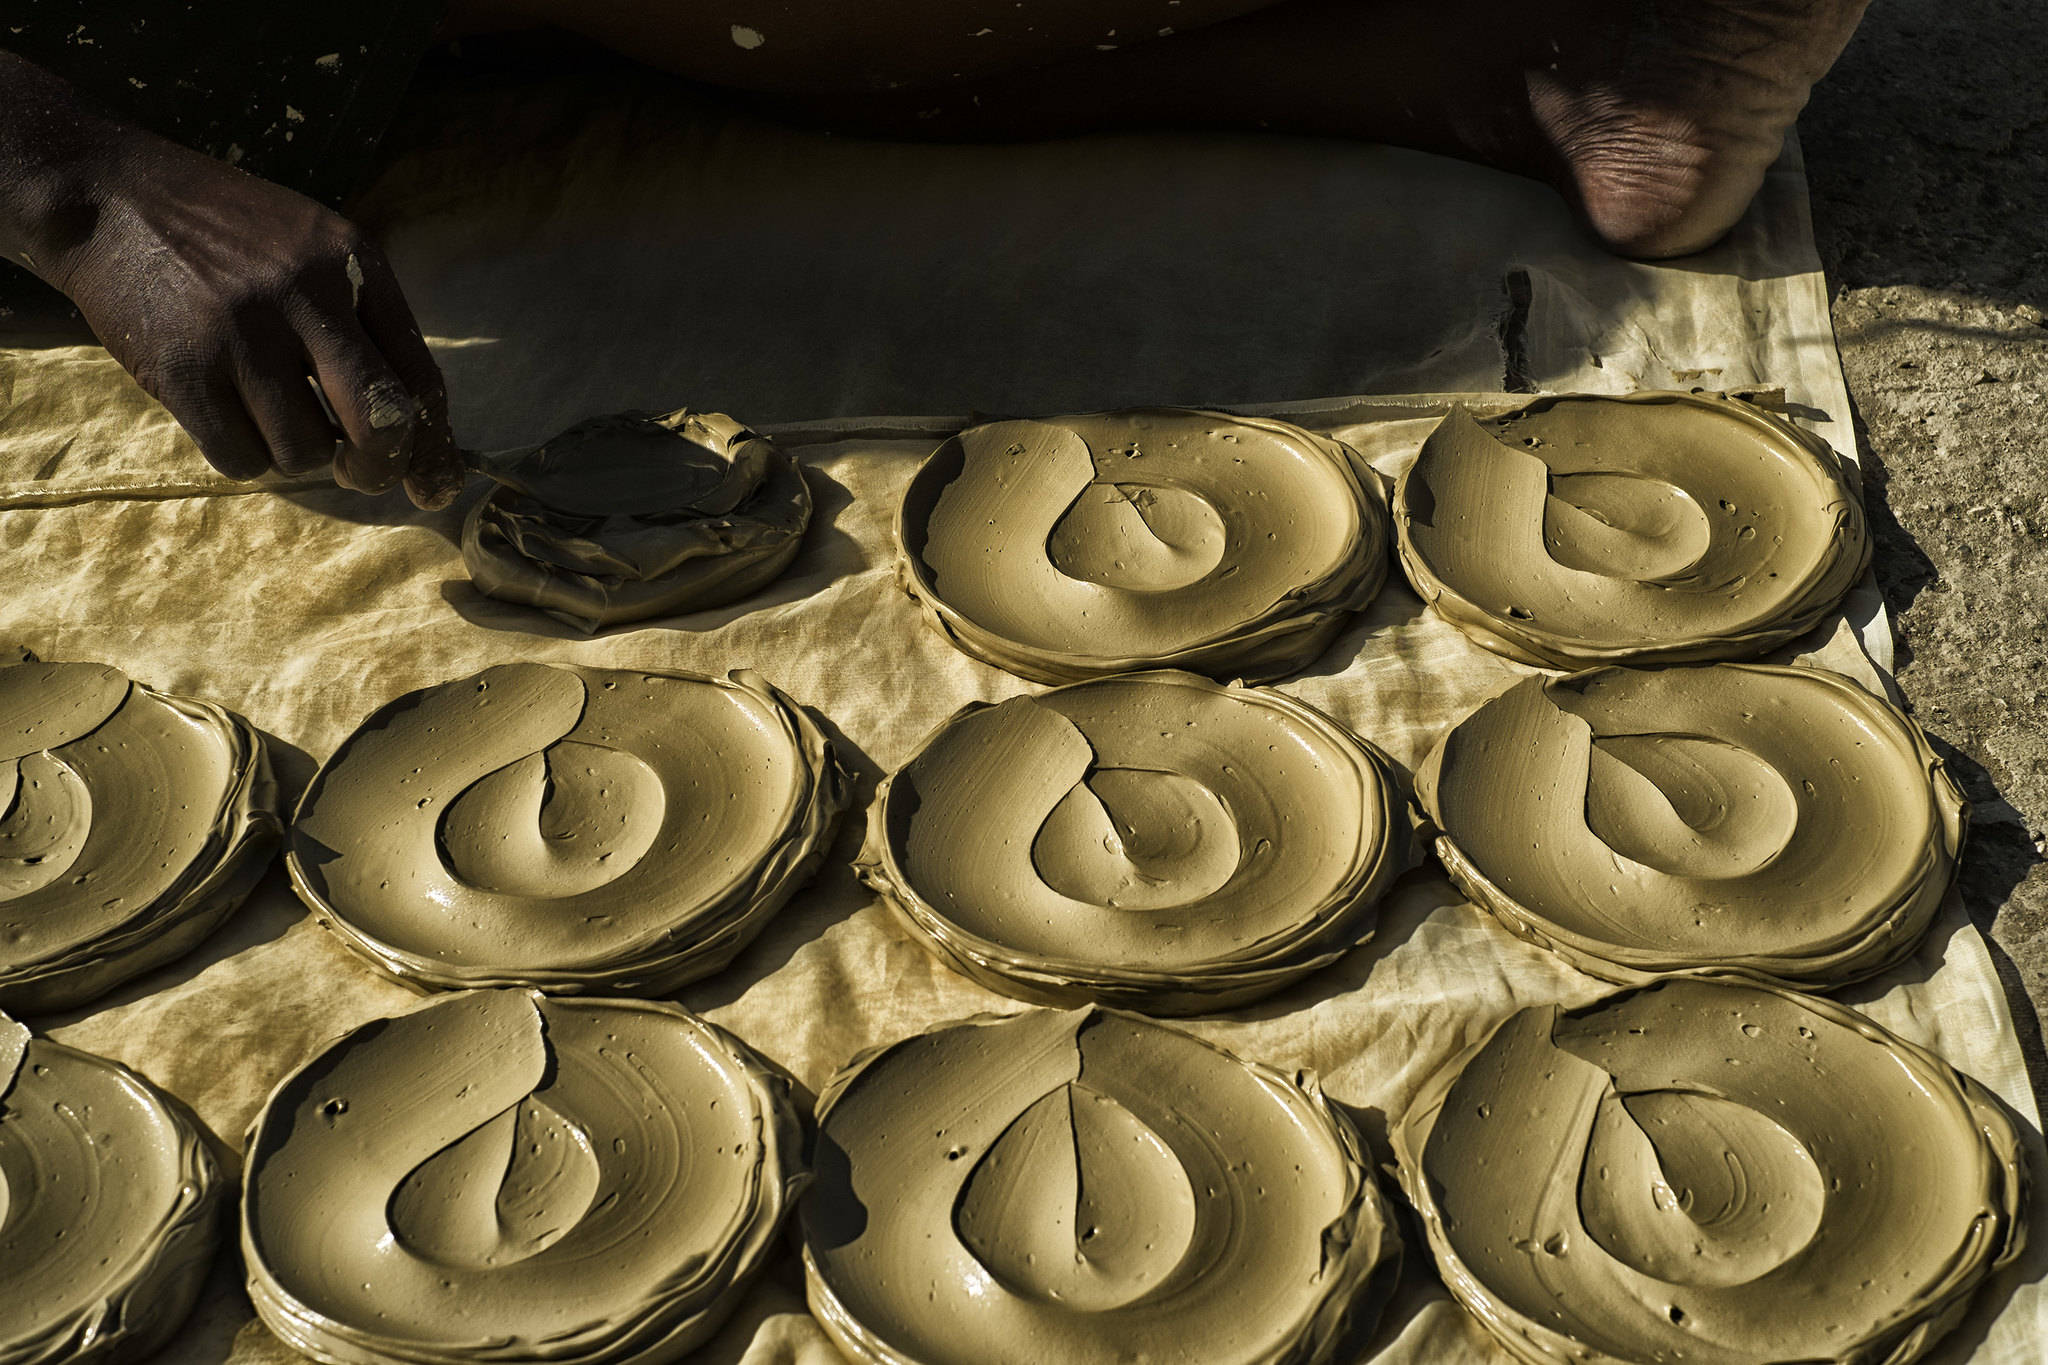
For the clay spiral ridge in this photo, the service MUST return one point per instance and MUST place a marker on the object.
(1711, 1169)
(132, 823)
(1781, 820)
(565, 827)
(1155, 537)
(1155, 840)
(1088, 1187)
(499, 1176)
(1652, 527)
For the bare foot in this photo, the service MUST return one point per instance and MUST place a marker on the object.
(1656, 119)
(1664, 124)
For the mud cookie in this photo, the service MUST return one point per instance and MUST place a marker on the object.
(570, 828)
(1155, 537)
(1654, 527)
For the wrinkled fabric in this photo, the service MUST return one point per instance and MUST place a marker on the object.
(556, 294)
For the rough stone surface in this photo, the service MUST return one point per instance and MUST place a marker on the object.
(1927, 154)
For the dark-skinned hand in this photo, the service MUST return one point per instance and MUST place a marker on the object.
(224, 295)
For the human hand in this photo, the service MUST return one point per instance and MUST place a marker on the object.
(223, 294)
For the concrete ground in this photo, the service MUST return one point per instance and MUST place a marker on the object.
(1927, 155)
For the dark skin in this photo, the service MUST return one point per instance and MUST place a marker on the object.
(1655, 120)
(223, 294)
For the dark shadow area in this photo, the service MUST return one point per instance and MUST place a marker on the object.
(1902, 568)
(389, 508)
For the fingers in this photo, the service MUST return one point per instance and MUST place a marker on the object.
(434, 473)
(377, 415)
(381, 308)
(271, 380)
(204, 399)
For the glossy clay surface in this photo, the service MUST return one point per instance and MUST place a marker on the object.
(636, 515)
(573, 828)
(1155, 840)
(501, 1176)
(1656, 527)
(1711, 1170)
(1079, 546)
(110, 1207)
(1087, 1187)
(1641, 821)
(131, 824)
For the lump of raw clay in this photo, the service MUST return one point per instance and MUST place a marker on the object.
(1156, 537)
(1088, 1187)
(1651, 527)
(500, 1176)
(1154, 840)
(576, 829)
(1711, 1169)
(132, 822)
(635, 515)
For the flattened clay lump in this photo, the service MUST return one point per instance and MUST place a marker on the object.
(1717, 1171)
(569, 828)
(132, 823)
(1079, 546)
(110, 1207)
(502, 1176)
(1655, 527)
(636, 515)
(1155, 840)
(1088, 1187)
(1782, 820)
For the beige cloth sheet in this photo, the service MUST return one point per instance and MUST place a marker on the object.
(633, 261)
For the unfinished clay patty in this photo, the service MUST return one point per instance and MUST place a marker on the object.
(1079, 546)
(1640, 821)
(132, 822)
(636, 515)
(1712, 1170)
(501, 1176)
(110, 1207)
(1088, 1187)
(1155, 840)
(572, 828)
(1654, 527)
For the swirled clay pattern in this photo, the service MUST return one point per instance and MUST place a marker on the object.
(570, 828)
(1782, 820)
(1087, 1187)
(500, 1176)
(1155, 840)
(1713, 1170)
(110, 1207)
(1080, 546)
(132, 823)
(1655, 527)
(636, 515)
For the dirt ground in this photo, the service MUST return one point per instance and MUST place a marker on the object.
(1927, 154)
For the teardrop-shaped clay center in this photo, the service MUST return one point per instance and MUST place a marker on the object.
(1078, 1202)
